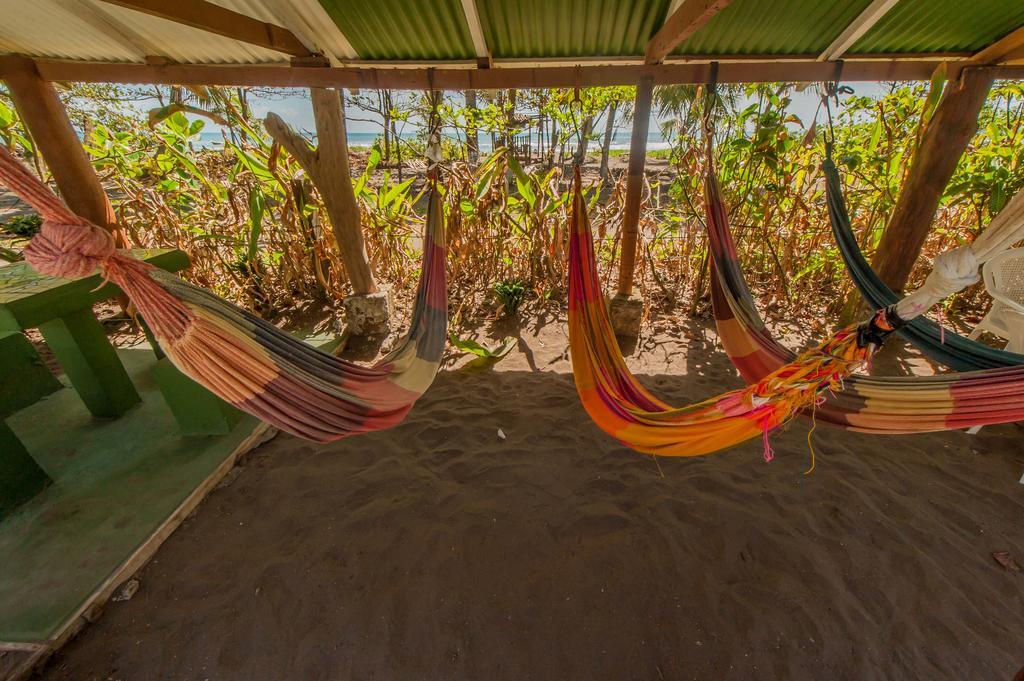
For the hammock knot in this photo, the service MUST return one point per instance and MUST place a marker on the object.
(69, 247)
(955, 269)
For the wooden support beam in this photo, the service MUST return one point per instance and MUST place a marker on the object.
(1010, 46)
(212, 18)
(688, 18)
(447, 78)
(857, 28)
(950, 129)
(476, 32)
(327, 166)
(634, 184)
(43, 113)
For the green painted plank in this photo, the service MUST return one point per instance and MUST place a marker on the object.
(115, 482)
(21, 478)
(570, 28)
(783, 27)
(196, 409)
(24, 379)
(27, 298)
(941, 26)
(79, 342)
(403, 29)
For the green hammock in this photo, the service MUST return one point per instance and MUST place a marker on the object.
(949, 348)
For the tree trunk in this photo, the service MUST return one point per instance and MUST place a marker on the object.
(552, 141)
(43, 113)
(385, 109)
(580, 157)
(634, 184)
(609, 129)
(327, 166)
(472, 134)
(945, 138)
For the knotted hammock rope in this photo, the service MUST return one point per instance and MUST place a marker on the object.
(243, 359)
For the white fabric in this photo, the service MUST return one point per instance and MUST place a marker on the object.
(958, 267)
(953, 270)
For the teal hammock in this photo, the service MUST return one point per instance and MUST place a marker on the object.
(948, 348)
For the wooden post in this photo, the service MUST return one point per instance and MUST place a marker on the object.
(47, 121)
(634, 183)
(947, 135)
(327, 166)
(472, 134)
(609, 130)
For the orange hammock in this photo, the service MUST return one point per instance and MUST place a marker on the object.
(624, 409)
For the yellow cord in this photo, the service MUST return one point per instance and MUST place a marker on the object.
(810, 445)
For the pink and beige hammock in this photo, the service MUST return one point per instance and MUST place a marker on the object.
(241, 358)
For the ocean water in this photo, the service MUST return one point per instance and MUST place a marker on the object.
(620, 140)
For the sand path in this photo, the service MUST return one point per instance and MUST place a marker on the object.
(438, 550)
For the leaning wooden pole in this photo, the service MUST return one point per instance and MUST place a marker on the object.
(634, 184)
(47, 121)
(328, 167)
(945, 138)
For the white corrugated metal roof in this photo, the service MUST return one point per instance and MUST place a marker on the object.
(97, 31)
(307, 19)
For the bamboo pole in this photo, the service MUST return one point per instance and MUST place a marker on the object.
(47, 121)
(634, 184)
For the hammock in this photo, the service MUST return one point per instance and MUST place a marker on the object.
(624, 409)
(951, 349)
(246, 361)
(783, 385)
(892, 405)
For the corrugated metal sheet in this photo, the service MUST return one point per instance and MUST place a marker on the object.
(530, 29)
(44, 28)
(307, 19)
(403, 29)
(88, 30)
(185, 44)
(570, 28)
(775, 27)
(941, 26)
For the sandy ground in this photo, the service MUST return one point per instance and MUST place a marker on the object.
(442, 550)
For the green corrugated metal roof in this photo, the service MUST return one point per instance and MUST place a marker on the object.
(941, 26)
(570, 28)
(776, 27)
(437, 29)
(403, 29)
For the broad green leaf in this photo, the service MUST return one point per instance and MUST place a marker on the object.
(469, 345)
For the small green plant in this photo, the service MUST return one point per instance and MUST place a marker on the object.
(510, 293)
(26, 226)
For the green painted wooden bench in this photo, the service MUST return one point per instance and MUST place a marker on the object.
(24, 379)
(62, 311)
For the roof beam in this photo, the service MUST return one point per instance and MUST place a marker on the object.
(206, 16)
(441, 78)
(1008, 47)
(857, 28)
(687, 19)
(476, 32)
